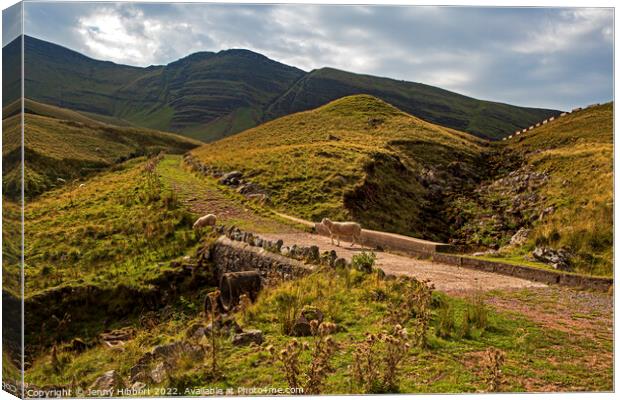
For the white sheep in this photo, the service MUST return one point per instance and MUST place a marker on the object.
(205, 220)
(338, 229)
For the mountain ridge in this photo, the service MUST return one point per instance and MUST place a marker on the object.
(211, 95)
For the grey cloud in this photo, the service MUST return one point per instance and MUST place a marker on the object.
(544, 57)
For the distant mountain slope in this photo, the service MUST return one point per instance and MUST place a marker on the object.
(212, 95)
(481, 118)
(355, 158)
(64, 144)
(205, 95)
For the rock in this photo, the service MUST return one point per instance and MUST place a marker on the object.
(310, 313)
(196, 331)
(520, 237)
(226, 326)
(333, 137)
(486, 253)
(301, 327)
(159, 373)
(547, 211)
(279, 244)
(109, 381)
(138, 386)
(340, 263)
(231, 178)
(250, 336)
(169, 352)
(78, 345)
(559, 259)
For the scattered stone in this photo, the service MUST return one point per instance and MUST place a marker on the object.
(486, 253)
(226, 326)
(196, 331)
(250, 336)
(559, 259)
(110, 381)
(159, 373)
(311, 312)
(231, 178)
(301, 327)
(520, 237)
(340, 263)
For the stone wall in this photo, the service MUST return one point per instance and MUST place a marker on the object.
(232, 256)
(394, 243)
(529, 273)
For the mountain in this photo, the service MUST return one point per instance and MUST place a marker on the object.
(61, 143)
(210, 95)
(481, 118)
(205, 95)
(355, 158)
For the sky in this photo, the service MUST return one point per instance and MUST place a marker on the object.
(541, 57)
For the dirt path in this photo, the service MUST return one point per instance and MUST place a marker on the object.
(445, 277)
(204, 196)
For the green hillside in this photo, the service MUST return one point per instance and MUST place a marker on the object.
(556, 180)
(210, 95)
(196, 95)
(481, 118)
(355, 158)
(61, 143)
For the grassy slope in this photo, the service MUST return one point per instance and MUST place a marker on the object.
(576, 153)
(369, 173)
(482, 118)
(61, 143)
(538, 357)
(114, 229)
(577, 150)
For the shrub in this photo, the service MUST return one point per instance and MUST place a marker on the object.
(364, 261)
(492, 362)
(377, 360)
(288, 305)
(323, 349)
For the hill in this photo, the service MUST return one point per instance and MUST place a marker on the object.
(61, 143)
(555, 184)
(210, 95)
(355, 158)
(360, 158)
(481, 118)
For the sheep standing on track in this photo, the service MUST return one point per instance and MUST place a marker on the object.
(205, 220)
(338, 229)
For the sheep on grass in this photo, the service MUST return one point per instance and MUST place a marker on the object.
(205, 220)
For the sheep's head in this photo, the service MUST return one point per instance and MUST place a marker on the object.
(326, 222)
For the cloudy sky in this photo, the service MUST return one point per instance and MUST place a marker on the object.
(543, 57)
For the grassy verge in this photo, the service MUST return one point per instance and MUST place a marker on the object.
(460, 332)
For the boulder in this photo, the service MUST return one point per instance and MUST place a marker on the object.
(559, 259)
(520, 237)
(247, 337)
(231, 178)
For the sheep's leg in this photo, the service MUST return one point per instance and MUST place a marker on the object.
(331, 236)
(338, 237)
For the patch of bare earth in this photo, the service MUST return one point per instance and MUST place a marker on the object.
(581, 313)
